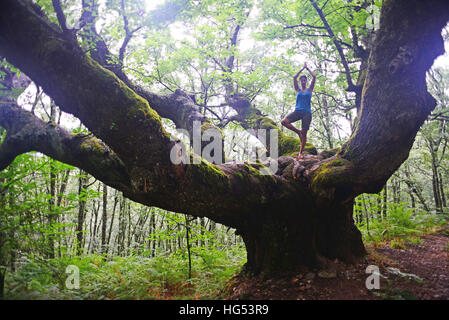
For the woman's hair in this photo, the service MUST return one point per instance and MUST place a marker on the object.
(303, 76)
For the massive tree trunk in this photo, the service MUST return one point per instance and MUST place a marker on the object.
(299, 215)
(310, 237)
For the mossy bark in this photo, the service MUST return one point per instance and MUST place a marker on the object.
(80, 86)
(304, 236)
(395, 101)
(252, 119)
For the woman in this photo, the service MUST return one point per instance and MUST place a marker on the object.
(302, 110)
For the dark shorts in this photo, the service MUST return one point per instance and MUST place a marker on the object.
(300, 115)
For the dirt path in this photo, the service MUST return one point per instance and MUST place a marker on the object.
(421, 271)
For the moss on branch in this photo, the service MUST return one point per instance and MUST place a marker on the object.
(333, 180)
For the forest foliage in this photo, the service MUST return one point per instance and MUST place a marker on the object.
(54, 215)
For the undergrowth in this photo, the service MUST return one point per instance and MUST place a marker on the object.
(403, 226)
(166, 276)
(131, 277)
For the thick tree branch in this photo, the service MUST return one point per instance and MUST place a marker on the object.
(125, 122)
(53, 62)
(395, 100)
(95, 44)
(178, 107)
(26, 132)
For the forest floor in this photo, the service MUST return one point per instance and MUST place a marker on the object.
(418, 271)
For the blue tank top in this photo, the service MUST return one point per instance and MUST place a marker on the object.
(303, 101)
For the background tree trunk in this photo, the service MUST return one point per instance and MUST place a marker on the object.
(82, 190)
(104, 218)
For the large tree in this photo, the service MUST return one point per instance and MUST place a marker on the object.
(301, 214)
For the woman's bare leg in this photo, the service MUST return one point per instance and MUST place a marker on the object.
(301, 133)
(286, 123)
(303, 139)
